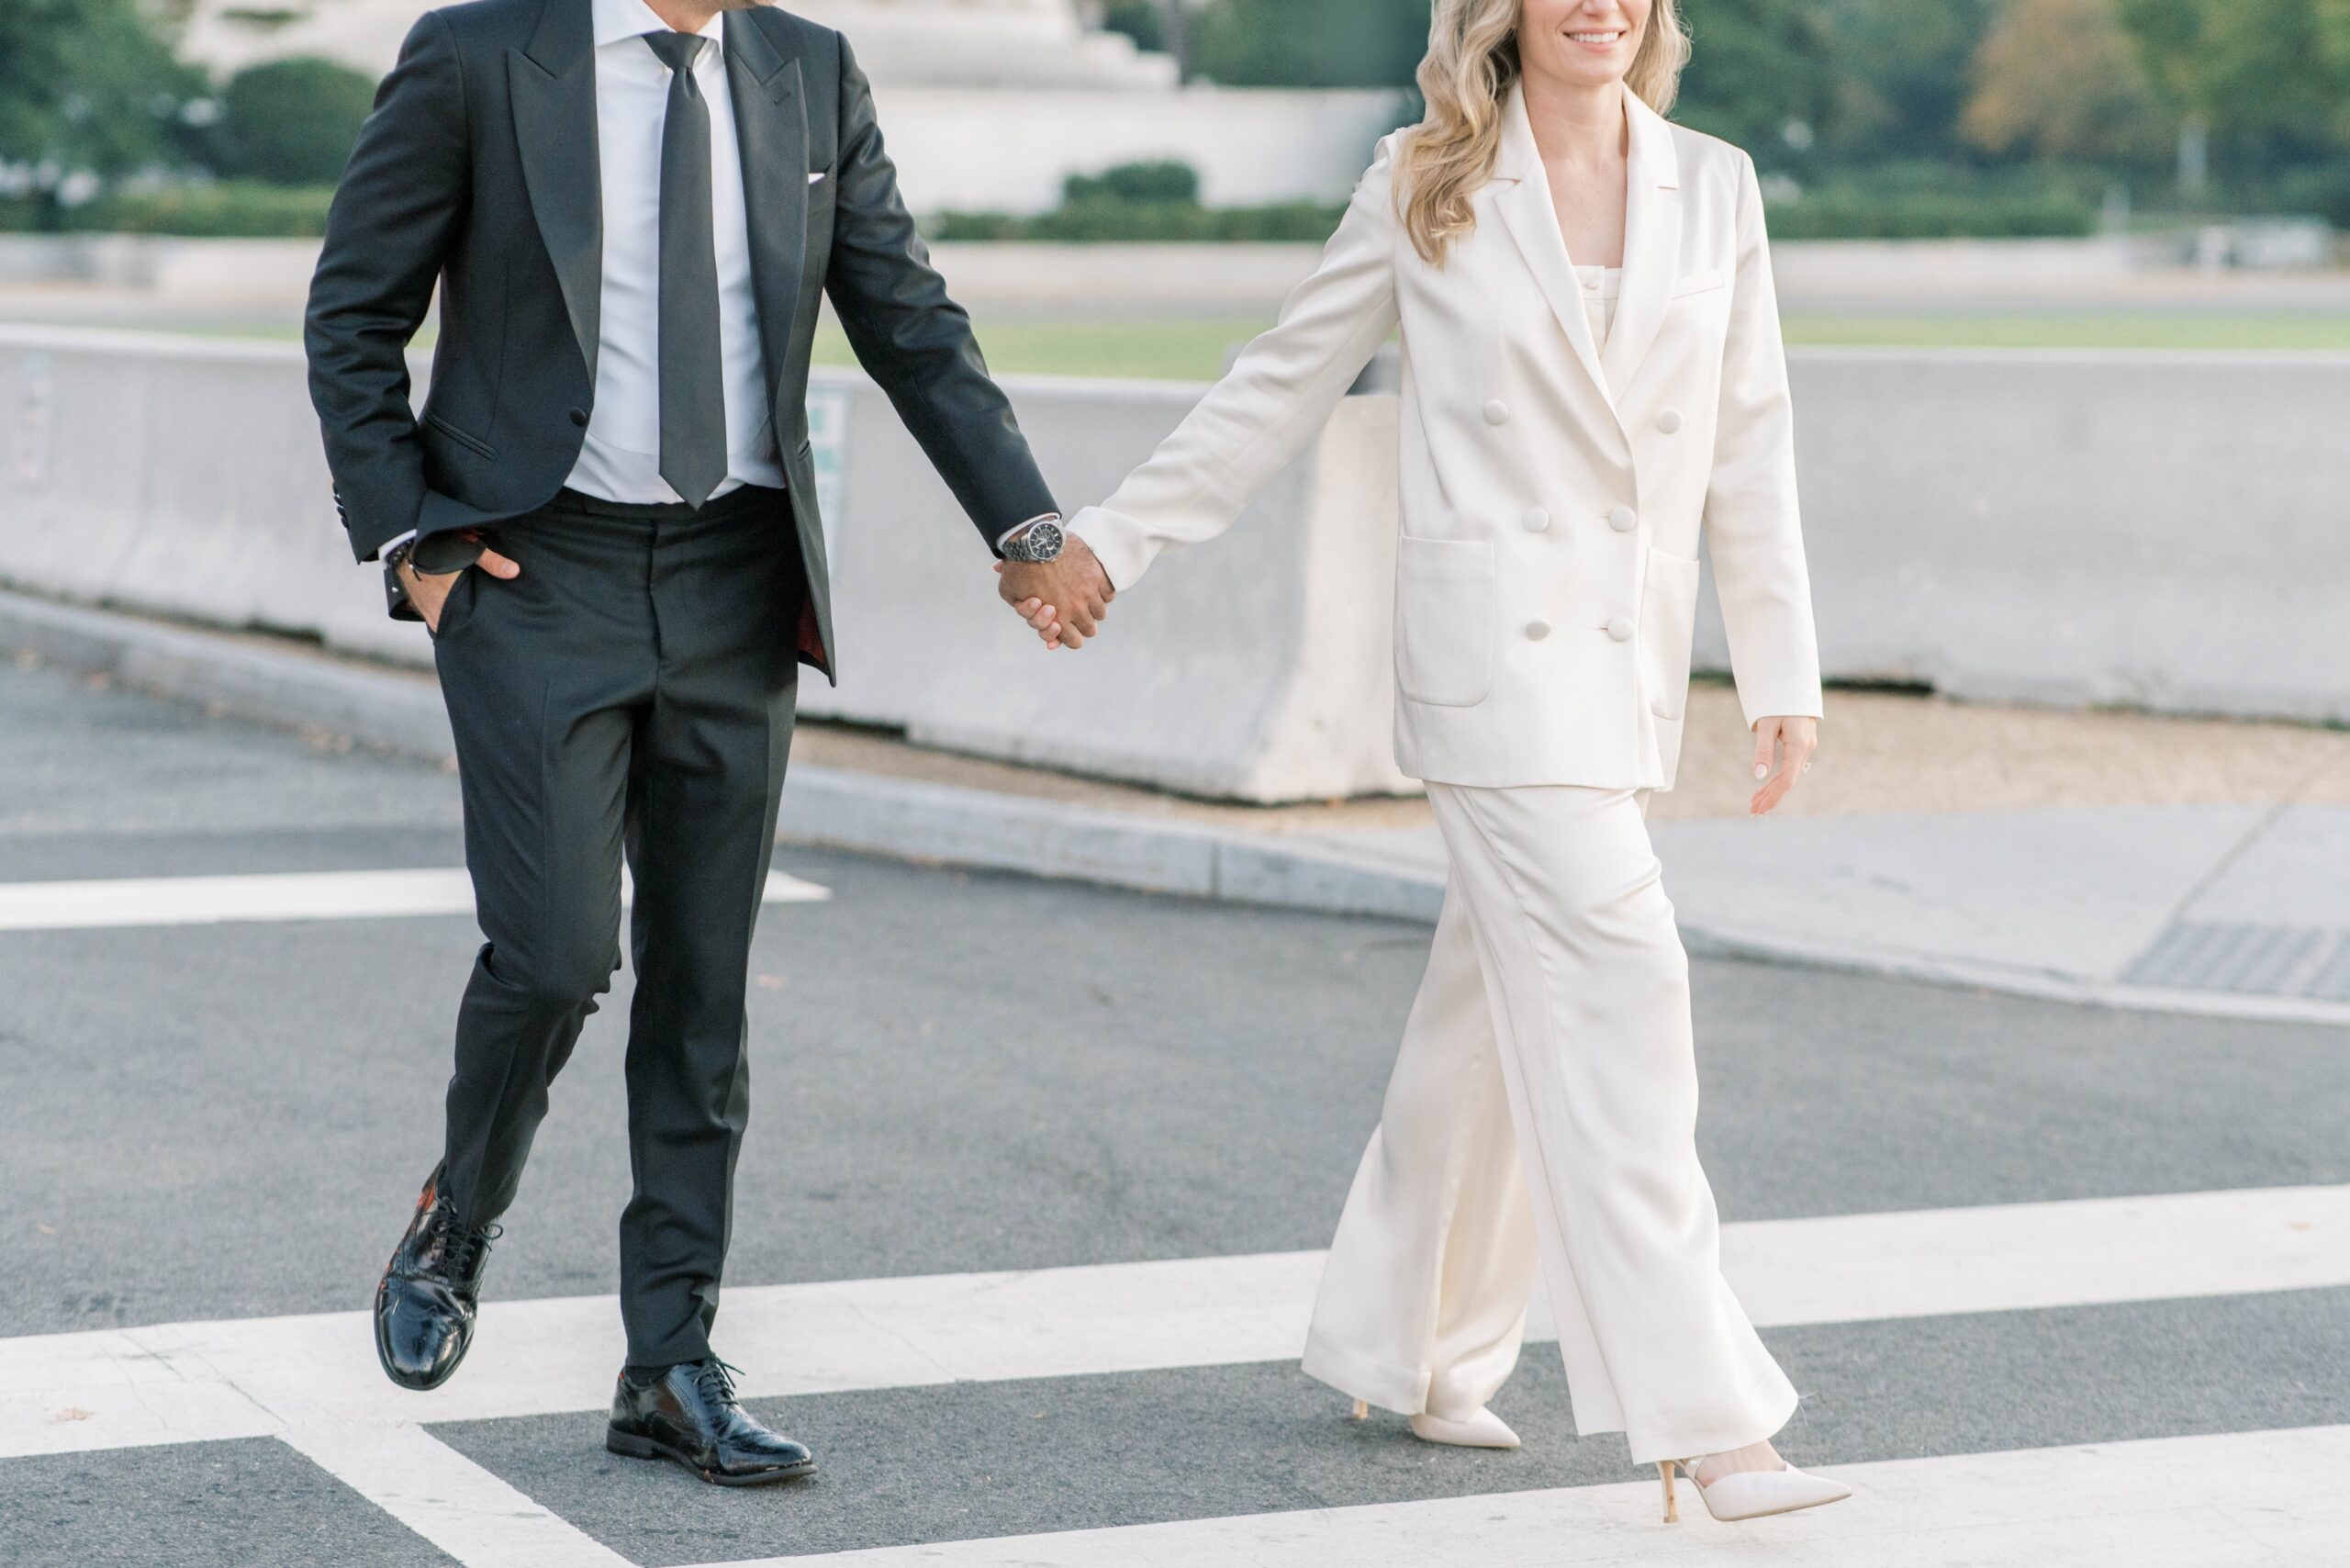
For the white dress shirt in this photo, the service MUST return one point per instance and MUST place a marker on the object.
(621, 459)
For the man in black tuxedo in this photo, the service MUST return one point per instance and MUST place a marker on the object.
(606, 515)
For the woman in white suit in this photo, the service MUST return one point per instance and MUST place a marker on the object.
(1592, 370)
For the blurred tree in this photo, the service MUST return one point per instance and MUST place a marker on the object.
(88, 91)
(1310, 43)
(1904, 66)
(2061, 79)
(2270, 77)
(1763, 75)
(290, 122)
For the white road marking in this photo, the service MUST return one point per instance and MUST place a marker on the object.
(181, 1382)
(2241, 1500)
(463, 1510)
(287, 896)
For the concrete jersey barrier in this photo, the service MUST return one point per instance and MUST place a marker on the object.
(2164, 531)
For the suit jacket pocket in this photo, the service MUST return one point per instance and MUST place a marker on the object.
(1668, 628)
(472, 443)
(1444, 620)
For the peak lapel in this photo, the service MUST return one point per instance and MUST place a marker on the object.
(771, 129)
(1525, 207)
(1651, 241)
(553, 85)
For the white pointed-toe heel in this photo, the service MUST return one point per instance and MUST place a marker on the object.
(1751, 1493)
(1483, 1430)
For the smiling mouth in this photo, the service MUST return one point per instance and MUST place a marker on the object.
(1607, 39)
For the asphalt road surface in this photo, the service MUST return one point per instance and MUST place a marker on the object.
(1024, 1224)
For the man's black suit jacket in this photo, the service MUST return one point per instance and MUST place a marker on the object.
(479, 170)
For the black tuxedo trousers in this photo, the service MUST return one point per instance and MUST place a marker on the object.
(629, 696)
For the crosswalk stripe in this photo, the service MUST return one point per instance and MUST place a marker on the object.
(283, 896)
(474, 1515)
(2271, 1499)
(181, 1382)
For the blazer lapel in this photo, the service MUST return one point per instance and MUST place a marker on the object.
(771, 128)
(1524, 202)
(553, 85)
(1651, 241)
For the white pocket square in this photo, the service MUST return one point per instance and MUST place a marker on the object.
(816, 178)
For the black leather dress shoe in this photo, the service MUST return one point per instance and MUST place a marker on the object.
(691, 1415)
(425, 1305)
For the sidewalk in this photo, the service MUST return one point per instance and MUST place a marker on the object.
(2114, 858)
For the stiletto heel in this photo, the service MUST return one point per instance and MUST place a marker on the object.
(1751, 1493)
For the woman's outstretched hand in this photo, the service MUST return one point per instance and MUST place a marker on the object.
(1782, 752)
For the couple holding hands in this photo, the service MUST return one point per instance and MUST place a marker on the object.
(606, 514)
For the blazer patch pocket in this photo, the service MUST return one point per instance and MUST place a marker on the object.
(1444, 620)
(1697, 281)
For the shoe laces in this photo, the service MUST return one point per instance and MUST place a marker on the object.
(464, 1250)
(714, 1380)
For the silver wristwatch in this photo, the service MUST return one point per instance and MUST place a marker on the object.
(1041, 541)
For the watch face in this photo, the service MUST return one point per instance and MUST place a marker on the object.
(1042, 542)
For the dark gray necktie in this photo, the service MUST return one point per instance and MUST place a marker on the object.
(693, 380)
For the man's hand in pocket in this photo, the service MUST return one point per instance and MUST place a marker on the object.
(429, 591)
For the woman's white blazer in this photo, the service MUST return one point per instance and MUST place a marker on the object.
(1546, 582)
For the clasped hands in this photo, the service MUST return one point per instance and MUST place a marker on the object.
(1065, 600)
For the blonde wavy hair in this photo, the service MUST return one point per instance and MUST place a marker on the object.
(1471, 67)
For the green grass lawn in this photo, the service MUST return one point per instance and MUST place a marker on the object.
(1190, 349)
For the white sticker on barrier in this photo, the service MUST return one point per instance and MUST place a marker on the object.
(828, 419)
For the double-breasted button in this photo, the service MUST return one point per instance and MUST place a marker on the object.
(1620, 629)
(1623, 520)
(1537, 630)
(1669, 420)
(1497, 412)
(579, 417)
(1535, 520)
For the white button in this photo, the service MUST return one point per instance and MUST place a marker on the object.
(1537, 630)
(1623, 520)
(1669, 420)
(1535, 520)
(1497, 412)
(1620, 629)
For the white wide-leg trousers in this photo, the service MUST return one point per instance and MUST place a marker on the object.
(1545, 1104)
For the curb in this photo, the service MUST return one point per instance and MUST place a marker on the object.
(948, 824)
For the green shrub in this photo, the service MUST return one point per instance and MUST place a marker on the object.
(2322, 189)
(1128, 222)
(1139, 20)
(1165, 182)
(233, 209)
(290, 122)
(1143, 203)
